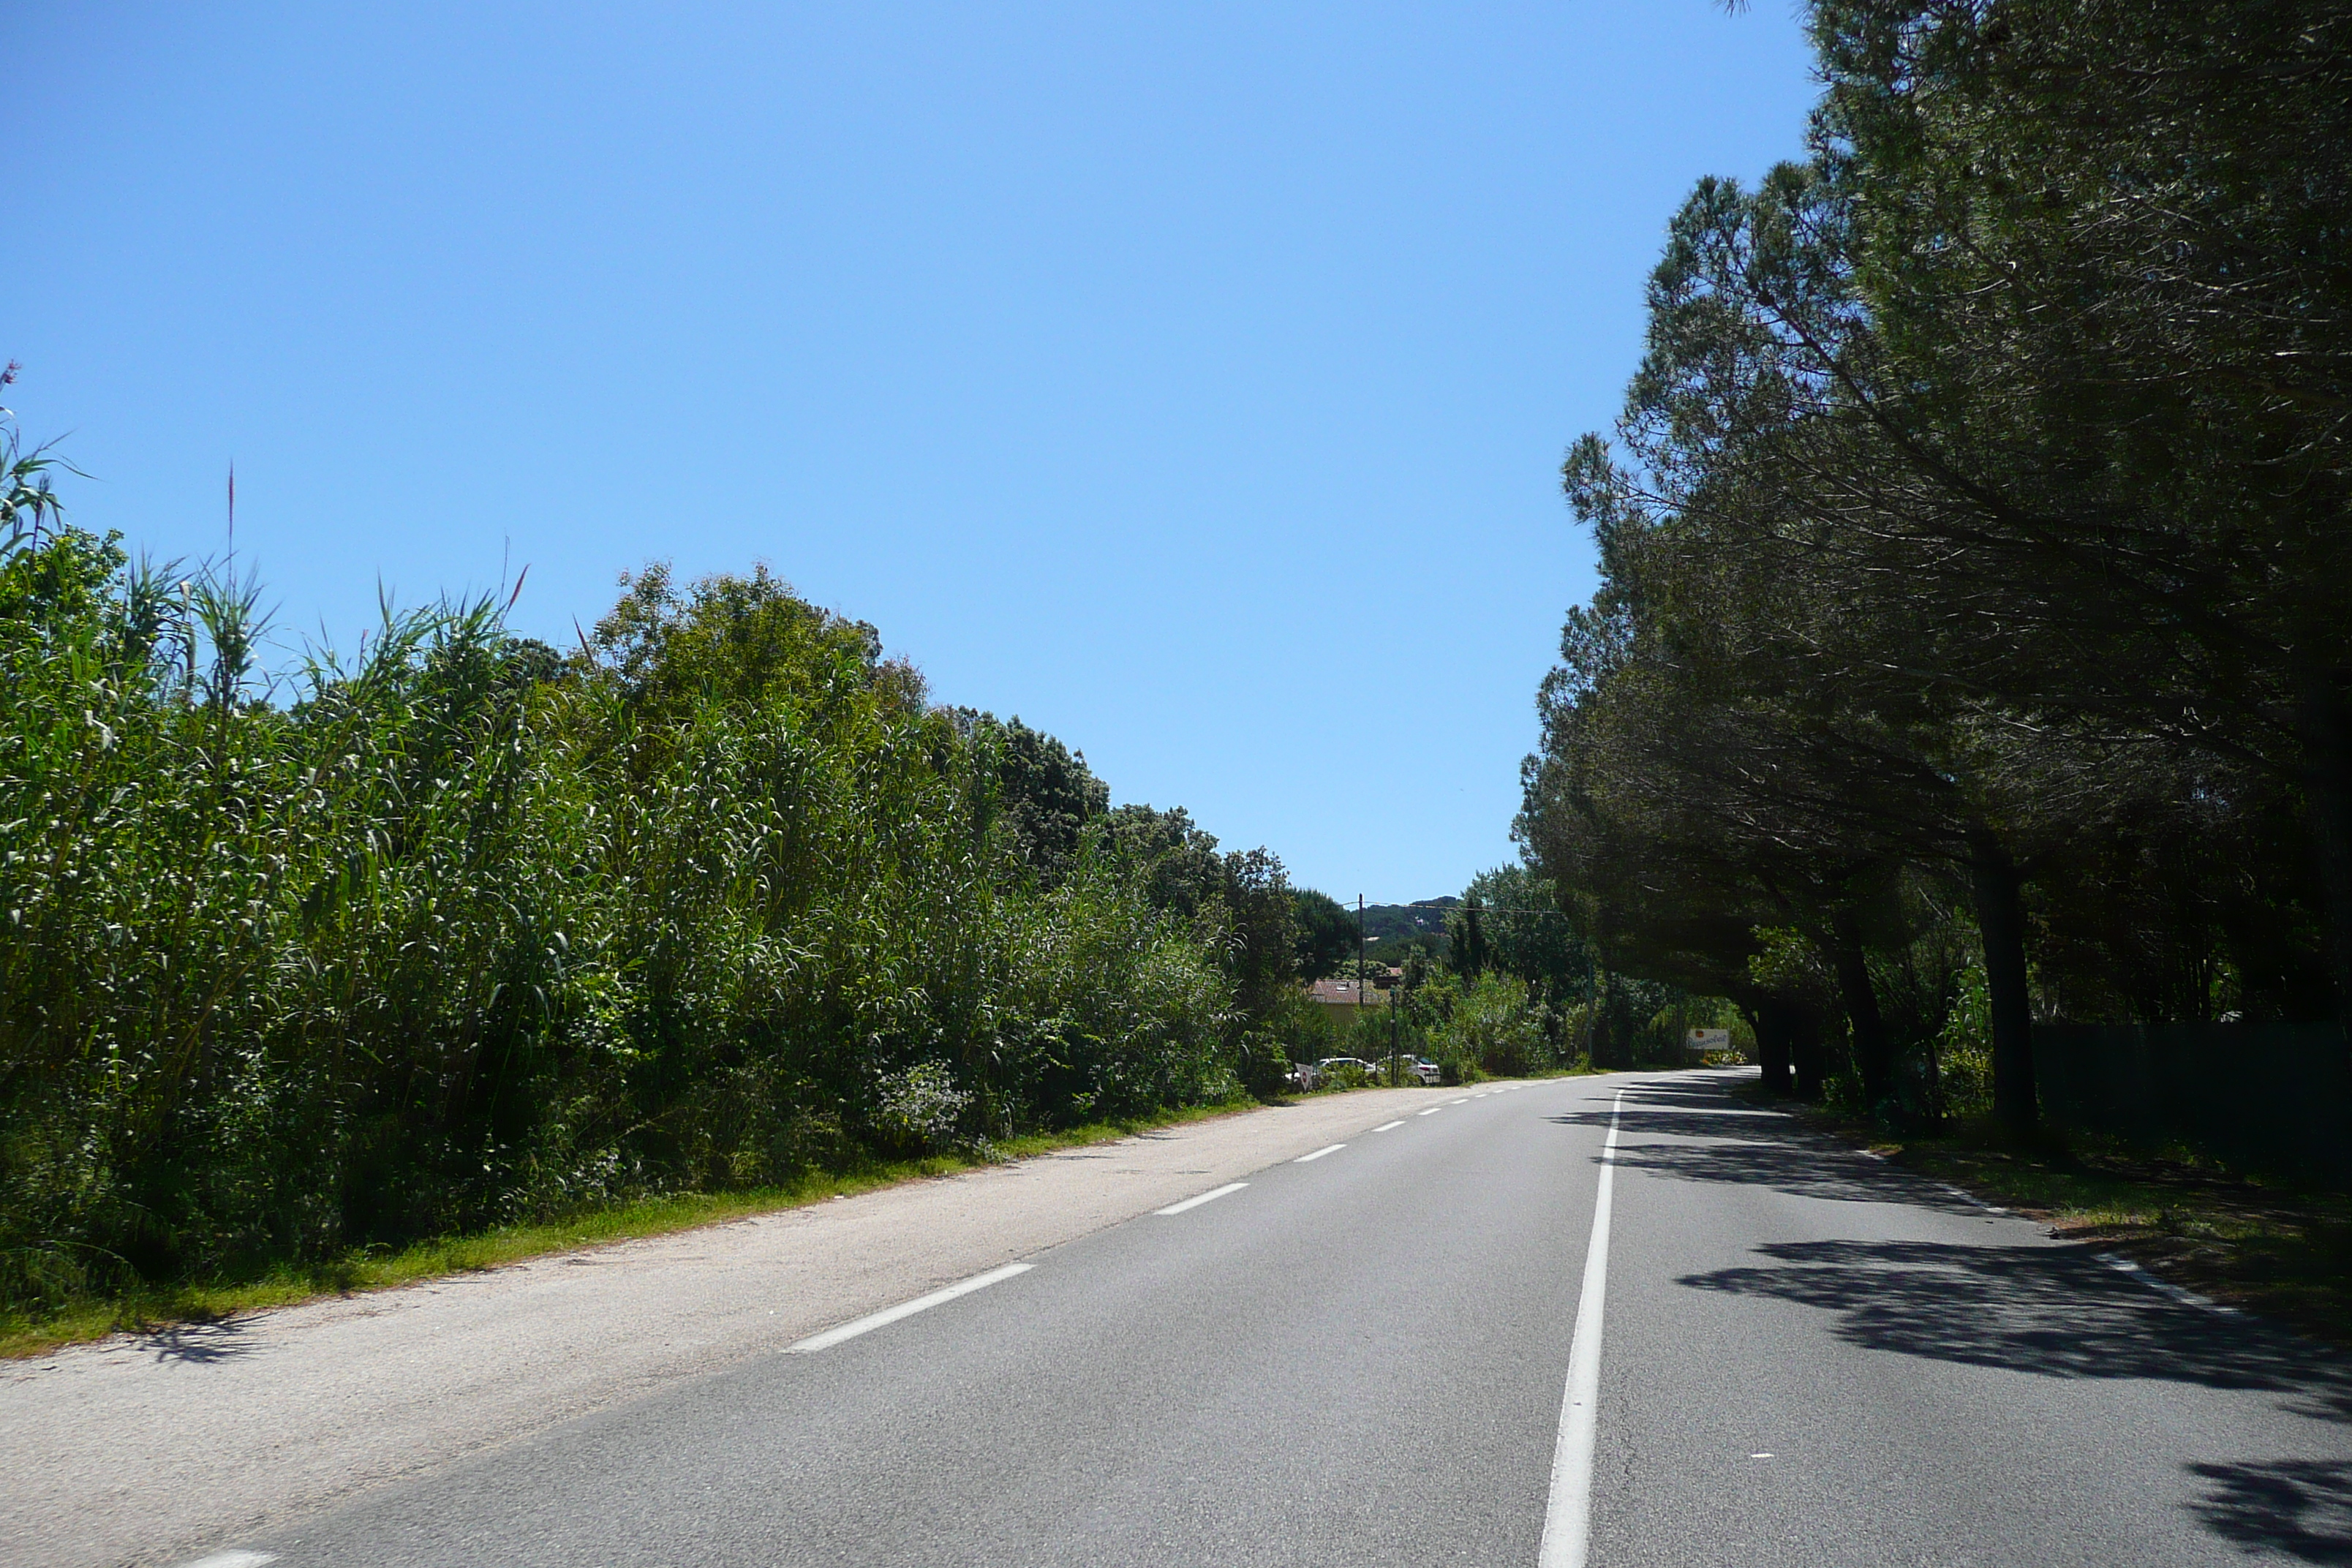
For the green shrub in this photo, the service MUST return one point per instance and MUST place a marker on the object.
(467, 933)
(1496, 1029)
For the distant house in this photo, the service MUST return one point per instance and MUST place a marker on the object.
(1345, 1001)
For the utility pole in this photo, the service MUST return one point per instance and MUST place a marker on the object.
(1359, 963)
(1393, 1019)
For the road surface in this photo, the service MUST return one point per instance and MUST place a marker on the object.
(1366, 1353)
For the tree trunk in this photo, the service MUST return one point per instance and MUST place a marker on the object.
(1771, 1021)
(1805, 1053)
(2000, 921)
(1600, 1048)
(1872, 1058)
(2327, 790)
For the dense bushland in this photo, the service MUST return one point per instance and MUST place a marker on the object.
(463, 932)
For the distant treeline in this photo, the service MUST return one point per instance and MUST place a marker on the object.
(1332, 931)
(1974, 643)
(1503, 979)
(466, 930)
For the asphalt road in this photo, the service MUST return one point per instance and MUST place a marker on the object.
(141, 1450)
(1360, 1357)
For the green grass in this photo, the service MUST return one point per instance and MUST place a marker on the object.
(290, 1283)
(2273, 1247)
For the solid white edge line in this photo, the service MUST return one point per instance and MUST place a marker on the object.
(1197, 1199)
(1972, 1198)
(1567, 1516)
(232, 1560)
(1327, 1149)
(1388, 1127)
(2164, 1287)
(873, 1320)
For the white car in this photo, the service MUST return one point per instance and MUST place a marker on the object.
(1377, 1068)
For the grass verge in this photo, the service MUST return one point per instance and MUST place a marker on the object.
(286, 1284)
(2269, 1247)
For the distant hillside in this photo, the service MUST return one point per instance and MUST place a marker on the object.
(1394, 930)
(1394, 922)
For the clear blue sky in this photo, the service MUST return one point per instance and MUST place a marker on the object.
(1189, 379)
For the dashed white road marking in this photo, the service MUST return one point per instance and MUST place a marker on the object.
(1430, 1111)
(1327, 1148)
(1463, 1101)
(1198, 1199)
(1568, 1517)
(232, 1560)
(1388, 1127)
(873, 1320)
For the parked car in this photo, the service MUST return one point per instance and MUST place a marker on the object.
(1376, 1070)
(1313, 1075)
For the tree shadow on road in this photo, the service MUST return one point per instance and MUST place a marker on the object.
(2058, 1311)
(2052, 1311)
(1759, 1149)
(1710, 1090)
(2302, 1507)
(223, 1340)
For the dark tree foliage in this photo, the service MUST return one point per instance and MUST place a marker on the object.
(1327, 933)
(1467, 926)
(1525, 931)
(1974, 542)
(1262, 943)
(1179, 863)
(1044, 792)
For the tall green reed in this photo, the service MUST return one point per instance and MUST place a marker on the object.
(464, 933)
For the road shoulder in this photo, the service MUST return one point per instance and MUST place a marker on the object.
(138, 1448)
